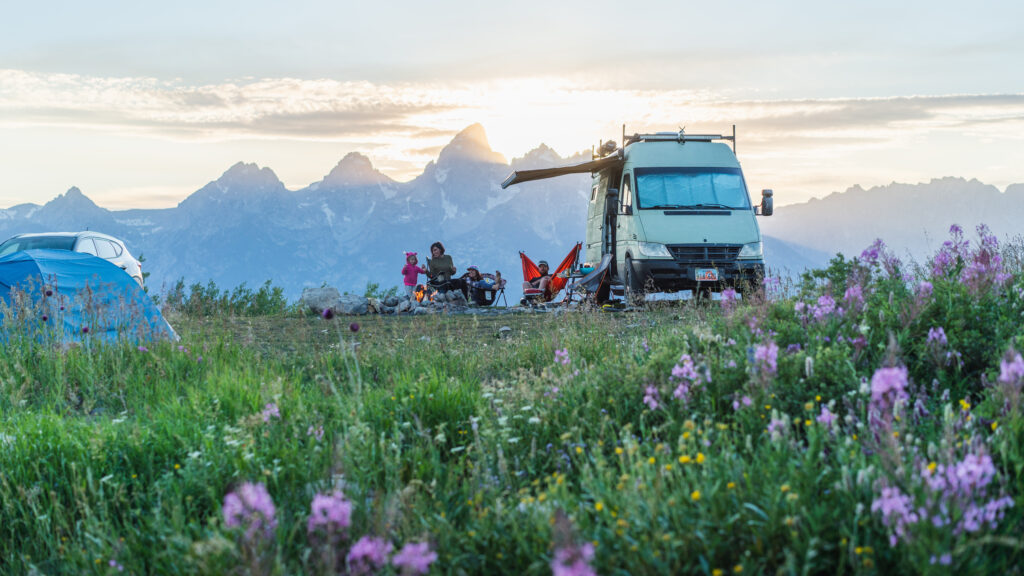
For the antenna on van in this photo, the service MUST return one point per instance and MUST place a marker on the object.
(623, 135)
(733, 139)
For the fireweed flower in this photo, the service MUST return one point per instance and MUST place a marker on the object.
(250, 507)
(888, 387)
(562, 357)
(317, 432)
(327, 314)
(871, 254)
(897, 512)
(854, 298)
(271, 411)
(958, 495)
(937, 337)
(827, 418)
(651, 397)
(1011, 369)
(924, 290)
(742, 402)
(414, 558)
(766, 358)
(331, 513)
(685, 374)
(368, 556)
(729, 298)
(573, 561)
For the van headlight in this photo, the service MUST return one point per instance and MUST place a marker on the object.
(654, 250)
(752, 251)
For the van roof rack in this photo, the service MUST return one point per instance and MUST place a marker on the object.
(681, 137)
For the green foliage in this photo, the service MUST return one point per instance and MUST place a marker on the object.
(209, 300)
(373, 290)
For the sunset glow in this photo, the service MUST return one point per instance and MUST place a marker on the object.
(816, 109)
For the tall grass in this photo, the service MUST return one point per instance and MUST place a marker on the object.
(494, 449)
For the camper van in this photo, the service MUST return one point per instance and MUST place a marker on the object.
(670, 211)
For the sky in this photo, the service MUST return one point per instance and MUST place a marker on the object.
(140, 104)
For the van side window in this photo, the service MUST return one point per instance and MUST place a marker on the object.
(593, 193)
(626, 192)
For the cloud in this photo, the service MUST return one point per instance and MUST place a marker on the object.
(425, 115)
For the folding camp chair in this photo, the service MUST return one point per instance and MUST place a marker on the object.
(559, 277)
(490, 296)
(590, 284)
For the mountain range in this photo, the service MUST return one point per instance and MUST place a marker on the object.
(353, 227)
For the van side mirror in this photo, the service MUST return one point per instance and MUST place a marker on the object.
(767, 202)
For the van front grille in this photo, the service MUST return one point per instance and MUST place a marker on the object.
(720, 253)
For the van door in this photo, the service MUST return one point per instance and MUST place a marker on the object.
(626, 225)
(595, 216)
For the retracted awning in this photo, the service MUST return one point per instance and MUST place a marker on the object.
(542, 173)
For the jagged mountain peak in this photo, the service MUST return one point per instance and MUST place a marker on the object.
(354, 169)
(249, 175)
(73, 199)
(470, 144)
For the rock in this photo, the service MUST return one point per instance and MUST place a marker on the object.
(504, 332)
(391, 301)
(457, 298)
(387, 310)
(373, 305)
(420, 310)
(320, 299)
(352, 304)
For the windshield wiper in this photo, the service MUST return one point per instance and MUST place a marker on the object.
(690, 206)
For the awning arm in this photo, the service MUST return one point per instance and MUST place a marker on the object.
(542, 173)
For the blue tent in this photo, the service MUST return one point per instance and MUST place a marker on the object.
(75, 297)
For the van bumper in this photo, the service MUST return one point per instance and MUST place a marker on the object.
(672, 276)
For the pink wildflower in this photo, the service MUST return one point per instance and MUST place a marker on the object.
(250, 507)
(368, 556)
(414, 559)
(573, 561)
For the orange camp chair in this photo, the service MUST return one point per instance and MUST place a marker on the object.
(559, 277)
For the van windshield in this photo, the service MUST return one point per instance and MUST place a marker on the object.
(691, 188)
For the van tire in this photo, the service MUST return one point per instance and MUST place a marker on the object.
(634, 289)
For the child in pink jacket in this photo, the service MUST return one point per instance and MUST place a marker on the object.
(411, 272)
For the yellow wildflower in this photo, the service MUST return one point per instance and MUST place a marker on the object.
(599, 506)
(730, 485)
(684, 459)
(695, 495)
(700, 457)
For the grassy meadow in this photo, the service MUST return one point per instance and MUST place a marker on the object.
(867, 420)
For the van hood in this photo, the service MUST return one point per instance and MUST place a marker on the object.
(734, 227)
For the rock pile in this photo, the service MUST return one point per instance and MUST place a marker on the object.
(328, 298)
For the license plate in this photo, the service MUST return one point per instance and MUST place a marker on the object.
(706, 275)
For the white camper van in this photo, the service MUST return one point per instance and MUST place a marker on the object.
(670, 211)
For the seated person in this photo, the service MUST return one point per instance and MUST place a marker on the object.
(476, 285)
(440, 269)
(540, 282)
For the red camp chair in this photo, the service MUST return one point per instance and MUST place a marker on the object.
(558, 278)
